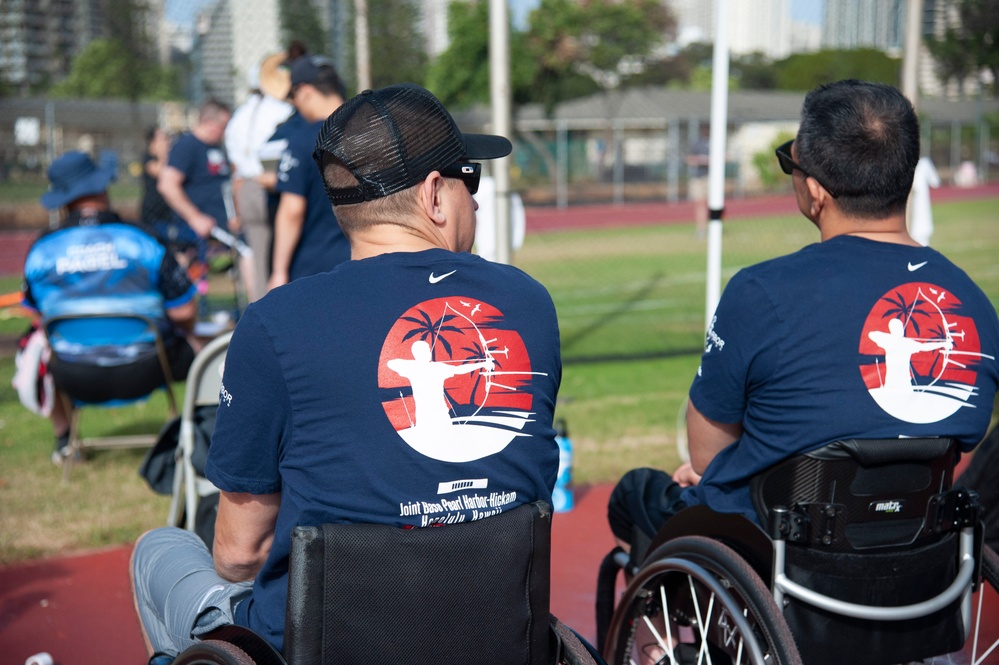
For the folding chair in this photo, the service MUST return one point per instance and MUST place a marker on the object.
(115, 344)
(204, 381)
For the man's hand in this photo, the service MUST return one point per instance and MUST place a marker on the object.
(685, 476)
(201, 224)
(277, 279)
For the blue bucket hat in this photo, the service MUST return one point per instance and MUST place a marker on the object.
(75, 175)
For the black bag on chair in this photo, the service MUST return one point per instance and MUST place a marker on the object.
(160, 462)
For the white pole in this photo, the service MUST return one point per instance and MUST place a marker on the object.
(716, 164)
(361, 44)
(910, 56)
(499, 92)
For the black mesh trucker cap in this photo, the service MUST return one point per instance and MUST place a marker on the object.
(392, 138)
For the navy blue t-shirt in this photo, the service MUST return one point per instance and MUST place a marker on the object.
(322, 245)
(206, 173)
(849, 338)
(406, 389)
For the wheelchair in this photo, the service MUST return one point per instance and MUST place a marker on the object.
(868, 555)
(461, 594)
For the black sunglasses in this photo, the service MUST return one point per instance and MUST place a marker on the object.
(788, 165)
(467, 172)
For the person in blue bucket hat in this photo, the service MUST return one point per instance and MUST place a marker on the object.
(96, 262)
(75, 175)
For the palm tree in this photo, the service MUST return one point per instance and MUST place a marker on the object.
(905, 311)
(426, 328)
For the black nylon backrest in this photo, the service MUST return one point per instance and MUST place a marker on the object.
(466, 593)
(883, 487)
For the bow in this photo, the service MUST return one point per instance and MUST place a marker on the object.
(486, 353)
(949, 337)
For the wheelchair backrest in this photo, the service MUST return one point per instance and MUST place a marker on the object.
(474, 592)
(858, 494)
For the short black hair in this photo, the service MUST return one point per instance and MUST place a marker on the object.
(328, 82)
(861, 141)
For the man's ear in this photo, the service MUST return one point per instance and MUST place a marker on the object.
(818, 196)
(431, 198)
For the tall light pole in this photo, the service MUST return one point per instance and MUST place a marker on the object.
(910, 56)
(716, 159)
(361, 44)
(499, 93)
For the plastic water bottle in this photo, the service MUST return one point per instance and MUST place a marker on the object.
(562, 500)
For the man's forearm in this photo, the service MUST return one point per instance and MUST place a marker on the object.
(288, 224)
(244, 532)
(706, 438)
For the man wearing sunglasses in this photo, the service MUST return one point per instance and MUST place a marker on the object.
(413, 385)
(865, 334)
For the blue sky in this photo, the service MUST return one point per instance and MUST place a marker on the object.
(183, 11)
(807, 11)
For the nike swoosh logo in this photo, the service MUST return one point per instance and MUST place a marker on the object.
(914, 268)
(434, 278)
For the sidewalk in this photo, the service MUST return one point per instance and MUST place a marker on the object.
(79, 608)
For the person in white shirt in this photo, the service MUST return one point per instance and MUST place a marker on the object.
(252, 124)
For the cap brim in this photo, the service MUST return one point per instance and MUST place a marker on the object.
(486, 146)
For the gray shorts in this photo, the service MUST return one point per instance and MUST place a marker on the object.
(177, 592)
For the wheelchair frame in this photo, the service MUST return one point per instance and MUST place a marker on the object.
(678, 551)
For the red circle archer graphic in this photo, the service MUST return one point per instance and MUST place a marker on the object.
(921, 353)
(458, 379)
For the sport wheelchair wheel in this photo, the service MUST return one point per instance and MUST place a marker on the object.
(695, 600)
(214, 652)
(982, 645)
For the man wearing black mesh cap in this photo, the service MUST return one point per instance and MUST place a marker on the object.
(413, 385)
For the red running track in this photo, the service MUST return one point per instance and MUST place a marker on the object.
(79, 608)
(14, 244)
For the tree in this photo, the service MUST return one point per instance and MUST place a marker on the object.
(300, 21)
(804, 71)
(396, 42)
(754, 71)
(952, 58)
(980, 19)
(460, 75)
(971, 46)
(106, 69)
(600, 40)
(123, 64)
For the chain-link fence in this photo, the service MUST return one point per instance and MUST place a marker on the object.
(628, 278)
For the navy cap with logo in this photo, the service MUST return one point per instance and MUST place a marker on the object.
(393, 138)
(74, 175)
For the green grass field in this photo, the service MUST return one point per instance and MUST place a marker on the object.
(631, 311)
